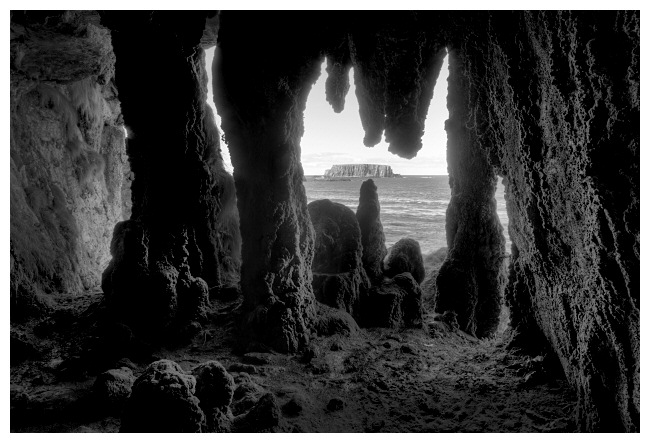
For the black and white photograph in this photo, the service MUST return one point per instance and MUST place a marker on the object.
(259, 218)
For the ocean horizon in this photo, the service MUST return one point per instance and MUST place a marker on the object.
(411, 206)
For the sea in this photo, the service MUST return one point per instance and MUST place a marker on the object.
(411, 206)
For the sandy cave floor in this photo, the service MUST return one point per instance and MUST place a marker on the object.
(431, 379)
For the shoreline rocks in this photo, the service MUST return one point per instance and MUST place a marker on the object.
(405, 256)
(339, 279)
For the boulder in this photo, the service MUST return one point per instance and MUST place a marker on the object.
(264, 415)
(373, 239)
(214, 385)
(163, 400)
(338, 275)
(218, 420)
(113, 387)
(246, 396)
(395, 303)
(405, 256)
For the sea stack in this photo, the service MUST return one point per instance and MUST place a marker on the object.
(373, 239)
(359, 170)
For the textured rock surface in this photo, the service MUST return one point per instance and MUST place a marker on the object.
(262, 117)
(113, 387)
(246, 395)
(405, 256)
(339, 279)
(359, 170)
(182, 238)
(469, 282)
(263, 416)
(548, 100)
(162, 400)
(561, 101)
(393, 304)
(69, 176)
(373, 240)
(214, 385)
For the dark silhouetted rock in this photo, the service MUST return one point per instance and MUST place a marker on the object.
(113, 387)
(218, 420)
(335, 404)
(373, 240)
(330, 321)
(405, 256)
(295, 405)
(395, 303)
(163, 400)
(183, 235)
(246, 396)
(263, 416)
(214, 385)
(338, 275)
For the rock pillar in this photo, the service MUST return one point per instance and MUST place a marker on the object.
(469, 280)
(263, 123)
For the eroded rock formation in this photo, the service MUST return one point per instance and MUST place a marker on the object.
(163, 400)
(180, 243)
(69, 175)
(360, 170)
(468, 282)
(395, 303)
(405, 256)
(214, 385)
(548, 100)
(373, 240)
(557, 109)
(339, 278)
(262, 117)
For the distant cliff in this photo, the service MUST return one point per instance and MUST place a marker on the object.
(359, 170)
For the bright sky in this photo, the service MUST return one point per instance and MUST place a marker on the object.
(332, 138)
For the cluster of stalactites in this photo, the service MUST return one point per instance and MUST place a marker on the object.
(394, 76)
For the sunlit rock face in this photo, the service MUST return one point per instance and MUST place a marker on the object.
(359, 170)
(69, 175)
(556, 105)
(180, 243)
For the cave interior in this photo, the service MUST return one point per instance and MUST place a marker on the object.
(144, 256)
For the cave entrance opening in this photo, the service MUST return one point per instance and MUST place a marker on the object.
(225, 153)
(500, 196)
(412, 205)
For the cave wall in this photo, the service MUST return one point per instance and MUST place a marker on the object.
(181, 242)
(69, 175)
(557, 96)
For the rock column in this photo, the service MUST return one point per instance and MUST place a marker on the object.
(170, 253)
(469, 280)
(263, 123)
(373, 239)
